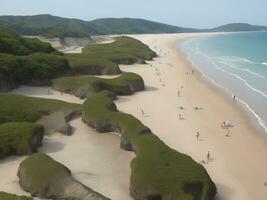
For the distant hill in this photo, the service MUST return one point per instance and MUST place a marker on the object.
(47, 25)
(234, 27)
(52, 26)
(136, 26)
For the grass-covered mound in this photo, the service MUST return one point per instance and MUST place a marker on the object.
(7, 196)
(90, 64)
(46, 178)
(84, 86)
(20, 138)
(12, 43)
(124, 50)
(18, 108)
(104, 58)
(158, 172)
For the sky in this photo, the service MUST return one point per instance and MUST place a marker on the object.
(186, 13)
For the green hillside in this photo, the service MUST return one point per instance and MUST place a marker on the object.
(28, 61)
(136, 26)
(12, 43)
(51, 26)
(45, 25)
(236, 27)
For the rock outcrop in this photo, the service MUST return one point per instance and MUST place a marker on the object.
(45, 178)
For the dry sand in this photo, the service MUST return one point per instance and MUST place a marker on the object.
(239, 162)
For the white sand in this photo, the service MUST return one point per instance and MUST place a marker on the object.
(239, 168)
(95, 159)
(42, 92)
(73, 50)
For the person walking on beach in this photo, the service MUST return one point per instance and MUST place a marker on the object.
(228, 134)
(178, 93)
(142, 112)
(265, 184)
(208, 157)
(198, 134)
(193, 71)
(234, 97)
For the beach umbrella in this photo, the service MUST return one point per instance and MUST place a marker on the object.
(227, 124)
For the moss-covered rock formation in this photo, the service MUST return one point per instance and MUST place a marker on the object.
(99, 59)
(7, 196)
(18, 108)
(84, 86)
(20, 138)
(45, 178)
(158, 172)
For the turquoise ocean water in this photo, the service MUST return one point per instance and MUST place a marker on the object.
(237, 64)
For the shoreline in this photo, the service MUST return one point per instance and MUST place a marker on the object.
(254, 119)
(233, 163)
(245, 109)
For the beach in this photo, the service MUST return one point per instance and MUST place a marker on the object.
(237, 163)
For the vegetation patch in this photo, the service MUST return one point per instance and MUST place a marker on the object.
(34, 69)
(104, 58)
(7, 196)
(124, 50)
(18, 108)
(90, 64)
(158, 172)
(12, 43)
(84, 86)
(46, 178)
(20, 138)
(28, 61)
